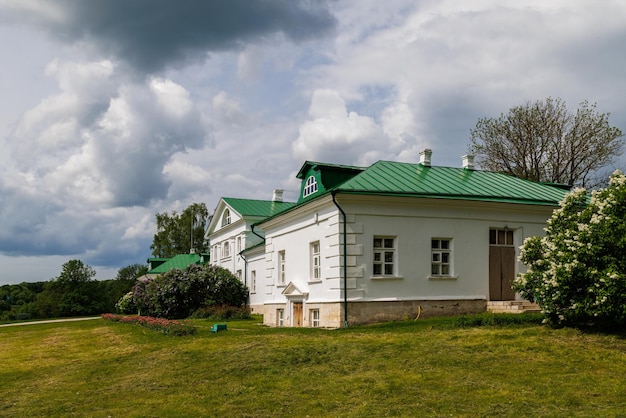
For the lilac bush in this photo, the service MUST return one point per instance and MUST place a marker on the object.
(577, 272)
(177, 293)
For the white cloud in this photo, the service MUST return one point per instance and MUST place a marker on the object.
(335, 135)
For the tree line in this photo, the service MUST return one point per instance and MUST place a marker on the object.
(74, 292)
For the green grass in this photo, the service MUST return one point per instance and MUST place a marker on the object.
(416, 368)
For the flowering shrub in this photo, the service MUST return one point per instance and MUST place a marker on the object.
(162, 325)
(126, 305)
(177, 293)
(577, 272)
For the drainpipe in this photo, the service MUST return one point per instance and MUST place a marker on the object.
(245, 273)
(345, 262)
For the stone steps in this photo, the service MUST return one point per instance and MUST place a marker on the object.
(512, 306)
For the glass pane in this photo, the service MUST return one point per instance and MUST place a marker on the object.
(434, 244)
(501, 240)
(378, 269)
(445, 244)
(377, 257)
(445, 257)
(388, 257)
(388, 242)
(445, 269)
(436, 257)
(492, 237)
(378, 242)
(388, 269)
(434, 269)
(509, 237)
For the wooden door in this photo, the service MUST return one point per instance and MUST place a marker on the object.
(501, 272)
(297, 314)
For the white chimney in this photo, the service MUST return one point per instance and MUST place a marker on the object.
(277, 196)
(425, 157)
(468, 161)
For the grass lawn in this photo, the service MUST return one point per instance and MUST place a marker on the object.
(415, 368)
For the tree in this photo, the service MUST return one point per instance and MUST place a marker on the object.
(74, 292)
(179, 234)
(543, 141)
(577, 272)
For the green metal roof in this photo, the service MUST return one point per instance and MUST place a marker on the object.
(386, 177)
(180, 262)
(261, 208)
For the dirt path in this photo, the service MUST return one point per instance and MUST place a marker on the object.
(48, 321)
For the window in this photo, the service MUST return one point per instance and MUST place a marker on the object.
(226, 250)
(310, 187)
(281, 267)
(280, 317)
(253, 281)
(216, 254)
(316, 272)
(226, 218)
(441, 261)
(501, 237)
(239, 274)
(238, 245)
(384, 256)
(314, 314)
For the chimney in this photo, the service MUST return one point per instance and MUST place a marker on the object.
(468, 161)
(277, 196)
(425, 157)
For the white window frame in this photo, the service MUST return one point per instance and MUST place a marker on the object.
(384, 247)
(315, 261)
(280, 317)
(238, 245)
(310, 186)
(281, 267)
(314, 315)
(253, 281)
(226, 217)
(225, 249)
(238, 274)
(441, 258)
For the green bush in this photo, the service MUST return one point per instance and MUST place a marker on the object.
(177, 293)
(577, 272)
(222, 312)
(500, 319)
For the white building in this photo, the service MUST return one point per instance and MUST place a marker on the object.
(385, 242)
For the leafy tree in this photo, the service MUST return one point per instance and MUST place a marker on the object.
(177, 293)
(543, 141)
(577, 272)
(74, 292)
(179, 234)
(126, 279)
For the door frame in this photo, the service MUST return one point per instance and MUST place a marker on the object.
(502, 263)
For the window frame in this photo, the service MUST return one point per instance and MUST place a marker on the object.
(281, 268)
(253, 281)
(310, 186)
(315, 261)
(280, 317)
(226, 217)
(314, 316)
(380, 262)
(441, 257)
(225, 249)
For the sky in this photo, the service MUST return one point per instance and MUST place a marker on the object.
(114, 110)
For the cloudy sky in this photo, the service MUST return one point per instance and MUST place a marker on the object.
(114, 110)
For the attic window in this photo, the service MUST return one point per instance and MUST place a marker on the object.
(226, 218)
(310, 187)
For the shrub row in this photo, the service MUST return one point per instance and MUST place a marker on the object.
(222, 312)
(492, 319)
(162, 325)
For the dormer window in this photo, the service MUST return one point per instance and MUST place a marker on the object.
(226, 218)
(310, 187)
